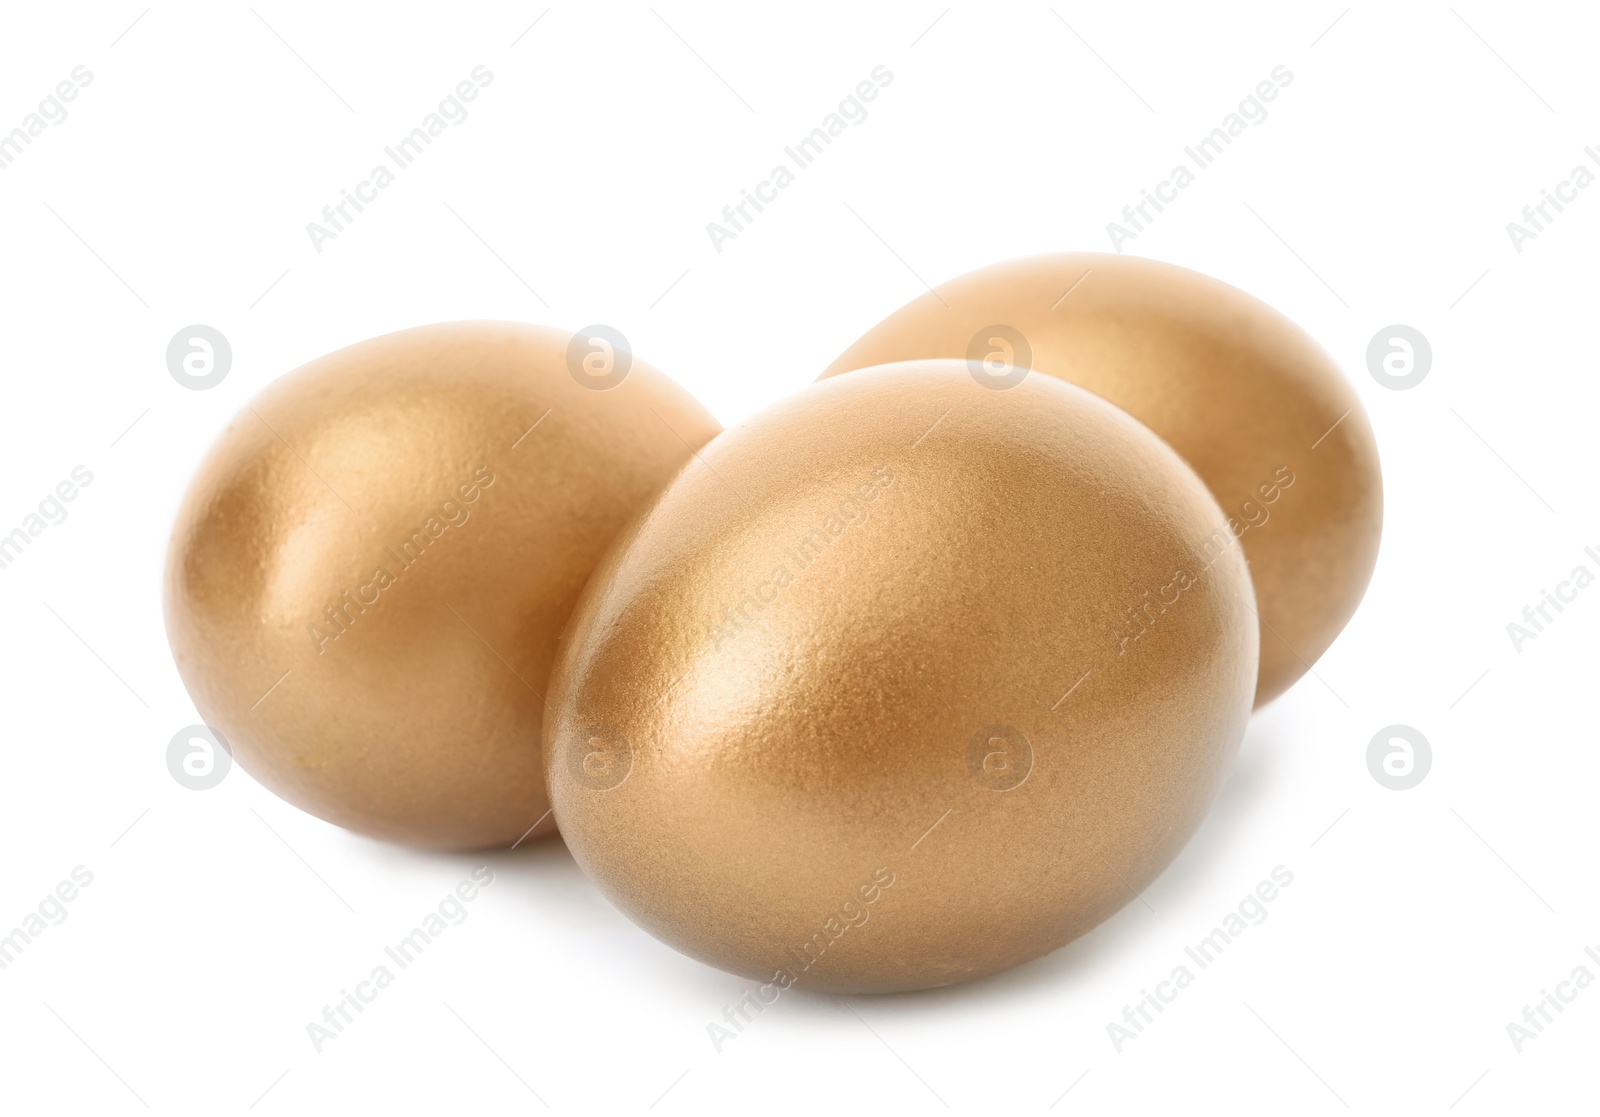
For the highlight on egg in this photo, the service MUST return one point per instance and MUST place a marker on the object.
(1244, 395)
(858, 706)
(368, 575)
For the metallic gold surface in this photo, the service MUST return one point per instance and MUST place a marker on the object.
(368, 575)
(904, 682)
(1243, 394)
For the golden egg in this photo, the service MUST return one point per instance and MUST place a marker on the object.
(369, 572)
(904, 682)
(1243, 394)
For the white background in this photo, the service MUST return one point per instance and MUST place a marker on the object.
(219, 923)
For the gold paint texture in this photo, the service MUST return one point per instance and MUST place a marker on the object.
(1242, 394)
(861, 703)
(914, 677)
(368, 575)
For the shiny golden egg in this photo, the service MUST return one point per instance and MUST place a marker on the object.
(902, 682)
(369, 573)
(1243, 394)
